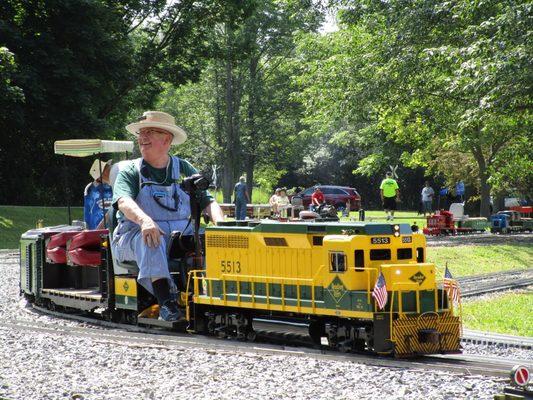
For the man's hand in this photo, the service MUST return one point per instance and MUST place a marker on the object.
(151, 232)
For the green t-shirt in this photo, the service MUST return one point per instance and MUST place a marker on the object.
(389, 187)
(127, 182)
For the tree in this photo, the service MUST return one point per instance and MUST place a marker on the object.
(250, 123)
(440, 85)
(83, 67)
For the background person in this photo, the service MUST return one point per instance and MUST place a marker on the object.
(273, 201)
(317, 199)
(390, 193)
(427, 198)
(241, 198)
(97, 195)
(152, 205)
(283, 203)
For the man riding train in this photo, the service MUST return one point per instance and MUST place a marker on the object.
(152, 205)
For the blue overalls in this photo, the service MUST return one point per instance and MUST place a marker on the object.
(128, 244)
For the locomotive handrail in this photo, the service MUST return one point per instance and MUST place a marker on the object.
(194, 275)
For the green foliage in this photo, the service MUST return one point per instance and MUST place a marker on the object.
(240, 114)
(438, 85)
(267, 176)
(86, 68)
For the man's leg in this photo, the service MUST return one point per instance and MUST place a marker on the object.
(154, 274)
(243, 210)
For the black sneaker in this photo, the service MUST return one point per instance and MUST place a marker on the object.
(170, 311)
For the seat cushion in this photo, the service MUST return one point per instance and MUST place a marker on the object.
(56, 255)
(87, 239)
(86, 257)
(56, 247)
(60, 239)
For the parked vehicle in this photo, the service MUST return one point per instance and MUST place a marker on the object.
(337, 196)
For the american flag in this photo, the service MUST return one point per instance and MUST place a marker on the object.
(451, 286)
(380, 291)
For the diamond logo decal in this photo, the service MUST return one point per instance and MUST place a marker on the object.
(419, 278)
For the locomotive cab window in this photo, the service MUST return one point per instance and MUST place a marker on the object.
(337, 261)
(359, 258)
(405, 254)
(420, 254)
(381, 254)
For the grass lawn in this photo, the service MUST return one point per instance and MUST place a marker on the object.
(475, 260)
(16, 220)
(402, 217)
(510, 313)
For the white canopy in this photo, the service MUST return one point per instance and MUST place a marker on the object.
(88, 147)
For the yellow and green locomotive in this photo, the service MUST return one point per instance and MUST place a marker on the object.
(320, 273)
(324, 273)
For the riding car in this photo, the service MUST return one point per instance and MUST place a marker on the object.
(337, 196)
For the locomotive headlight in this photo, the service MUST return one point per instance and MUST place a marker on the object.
(398, 272)
(396, 230)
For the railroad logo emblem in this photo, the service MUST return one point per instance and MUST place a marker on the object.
(336, 289)
(126, 286)
(419, 278)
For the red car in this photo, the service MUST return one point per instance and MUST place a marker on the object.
(335, 195)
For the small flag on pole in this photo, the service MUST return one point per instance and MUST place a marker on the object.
(380, 291)
(451, 286)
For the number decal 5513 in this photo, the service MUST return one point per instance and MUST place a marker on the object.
(229, 267)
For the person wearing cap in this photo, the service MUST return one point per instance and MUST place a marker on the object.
(317, 199)
(390, 193)
(152, 204)
(241, 197)
(97, 195)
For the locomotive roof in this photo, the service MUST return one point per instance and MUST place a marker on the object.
(267, 226)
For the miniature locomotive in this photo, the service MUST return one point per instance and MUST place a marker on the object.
(321, 273)
(509, 221)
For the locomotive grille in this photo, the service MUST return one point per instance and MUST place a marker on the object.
(217, 241)
(28, 267)
(240, 242)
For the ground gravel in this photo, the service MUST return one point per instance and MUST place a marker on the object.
(35, 365)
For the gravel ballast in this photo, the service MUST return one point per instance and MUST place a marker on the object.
(35, 365)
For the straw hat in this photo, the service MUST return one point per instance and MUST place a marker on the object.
(95, 169)
(161, 120)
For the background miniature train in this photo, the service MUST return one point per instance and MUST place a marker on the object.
(509, 221)
(454, 222)
(320, 273)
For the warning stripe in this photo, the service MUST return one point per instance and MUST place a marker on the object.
(405, 334)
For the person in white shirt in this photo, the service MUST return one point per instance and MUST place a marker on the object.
(274, 201)
(283, 203)
(427, 198)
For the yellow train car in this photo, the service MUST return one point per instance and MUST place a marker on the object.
(323, 273)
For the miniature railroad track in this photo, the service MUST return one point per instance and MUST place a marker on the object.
(511, 281)
(134, 336)
(489, 338)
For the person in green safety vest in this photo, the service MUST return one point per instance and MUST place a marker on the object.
(390, 194)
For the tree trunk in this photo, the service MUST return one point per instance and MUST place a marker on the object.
(252, 126)
(484, 187)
